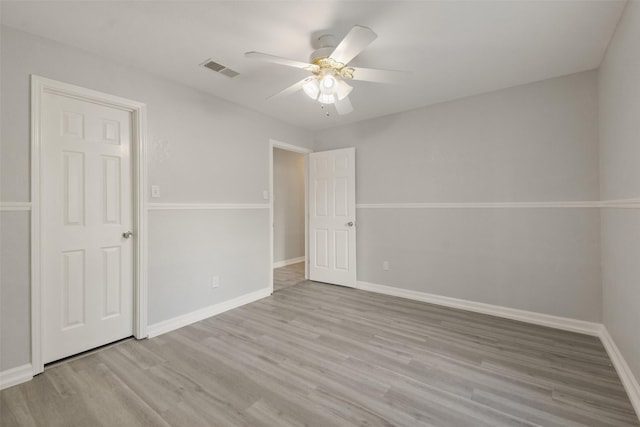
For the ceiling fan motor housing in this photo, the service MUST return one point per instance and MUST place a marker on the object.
(321, 53)
(327, 43)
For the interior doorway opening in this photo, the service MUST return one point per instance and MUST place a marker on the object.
(288, 214)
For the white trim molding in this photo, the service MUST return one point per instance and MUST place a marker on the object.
(204, 313)
(629, 381)
(621, 203)
(289, 147)
(15, 206)
(284, 263)
(138, 110)
(557, 322)
(479, 205)
(14, 376)
(204, 206)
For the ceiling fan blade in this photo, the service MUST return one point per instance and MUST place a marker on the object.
(343, 106)
(290, 90)
(379, 76)
(353, 43)
(280, 60)
(344, 89)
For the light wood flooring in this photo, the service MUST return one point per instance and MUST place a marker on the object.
(290, 275)
(320, 355)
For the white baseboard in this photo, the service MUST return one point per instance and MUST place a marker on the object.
(204, 313)
(622, 368)
(564, 323)
(15, 376)
(204, 206)
(286, 262)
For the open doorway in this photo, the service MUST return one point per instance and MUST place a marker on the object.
(288, 214)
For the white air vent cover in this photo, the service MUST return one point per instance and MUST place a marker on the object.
(219, 68)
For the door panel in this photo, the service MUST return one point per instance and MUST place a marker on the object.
(341, 239)
(111, 190)
(112, 280)
(73, 188)
(86, 205)
(321, 248)
(73, 289)
(332, 217)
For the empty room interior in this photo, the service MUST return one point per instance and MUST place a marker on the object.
(320, 213)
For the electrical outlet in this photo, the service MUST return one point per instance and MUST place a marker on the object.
(215, 282)
(385, 265)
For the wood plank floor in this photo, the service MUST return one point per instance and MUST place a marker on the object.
(290, 275)
(320, 355)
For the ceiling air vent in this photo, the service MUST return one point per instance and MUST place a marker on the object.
(219, 68)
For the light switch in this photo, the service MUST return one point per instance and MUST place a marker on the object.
(265, 194)
(155, 191)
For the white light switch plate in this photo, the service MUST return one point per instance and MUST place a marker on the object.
(265, 194)
(155, 191)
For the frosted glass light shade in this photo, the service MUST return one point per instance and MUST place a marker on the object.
(327, 98)
(326, 88)
(328, 82)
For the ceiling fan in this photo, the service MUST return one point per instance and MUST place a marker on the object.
(330, 71)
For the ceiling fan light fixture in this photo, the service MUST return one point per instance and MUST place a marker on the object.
(329, 66)
(328, 82)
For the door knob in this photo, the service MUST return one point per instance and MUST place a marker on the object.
(127, 234)
(350, 223)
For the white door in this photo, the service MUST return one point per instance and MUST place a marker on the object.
(86, 206)
(332, 217)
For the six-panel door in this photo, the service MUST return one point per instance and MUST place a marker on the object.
(332, 231)
(87, 277)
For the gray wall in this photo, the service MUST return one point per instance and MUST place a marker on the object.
(202, 150)
(15, 335)
(288, 205)
(187, 249)
(531, 143)
(619, 97)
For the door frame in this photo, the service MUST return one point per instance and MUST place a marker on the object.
(138, 110)
(273, 144)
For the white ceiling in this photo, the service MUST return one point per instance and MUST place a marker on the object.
(453, 48)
